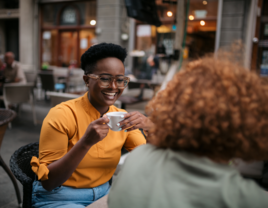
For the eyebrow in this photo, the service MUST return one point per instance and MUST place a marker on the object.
(112, 75)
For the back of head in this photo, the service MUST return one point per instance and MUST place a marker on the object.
(101, 51)
(213, 108)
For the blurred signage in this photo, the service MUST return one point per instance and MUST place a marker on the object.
(83, 43)
(143, 10)
(143, 30)
(166, 40)
(200, 13)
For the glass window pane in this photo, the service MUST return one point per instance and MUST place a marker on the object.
(69, 16)
(49, 12)
(87, 39)
(201, 28)
(68, 48)
(49, 47)
(88, 12)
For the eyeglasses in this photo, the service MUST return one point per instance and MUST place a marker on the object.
(105, 81)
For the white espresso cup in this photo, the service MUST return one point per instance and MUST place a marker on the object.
(115, 118)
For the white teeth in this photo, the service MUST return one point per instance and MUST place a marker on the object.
(108, 93)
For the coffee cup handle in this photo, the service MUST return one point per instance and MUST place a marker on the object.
(109, 122)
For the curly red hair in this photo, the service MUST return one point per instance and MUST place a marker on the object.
(212, 108)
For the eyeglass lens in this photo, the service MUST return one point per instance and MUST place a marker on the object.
(105, 81)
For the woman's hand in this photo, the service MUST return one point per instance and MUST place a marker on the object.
(136, 120)
(96, 131)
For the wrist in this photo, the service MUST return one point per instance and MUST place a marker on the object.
(84, 143)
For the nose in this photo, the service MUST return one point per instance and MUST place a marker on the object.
(113, 84)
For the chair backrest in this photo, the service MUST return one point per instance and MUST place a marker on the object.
(6, 116)
(20, 162)
(31, 77)
(47, 80)
(21, 168)
(17, 93)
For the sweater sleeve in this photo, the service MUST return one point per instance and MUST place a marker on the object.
(57, 129)
(134, 139)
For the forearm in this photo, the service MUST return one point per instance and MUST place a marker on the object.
(62, 169)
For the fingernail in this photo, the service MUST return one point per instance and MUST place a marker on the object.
(122, 116)
(125, 131)
(119, 129)
(118, 124)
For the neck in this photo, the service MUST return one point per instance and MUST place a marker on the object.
(101, 109)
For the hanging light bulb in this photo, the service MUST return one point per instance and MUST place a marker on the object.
(93, 22)
(202, 22)
(169, 13)
(205, 2)
(191, 17)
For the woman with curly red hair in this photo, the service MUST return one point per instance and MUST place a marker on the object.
(211, 112)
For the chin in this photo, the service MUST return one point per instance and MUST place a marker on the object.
(109, 103)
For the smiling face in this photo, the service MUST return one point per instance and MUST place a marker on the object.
(102, 98)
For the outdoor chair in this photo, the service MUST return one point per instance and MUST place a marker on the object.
(31, 77)
(48, 82)
(21, 168)
(17, 93)
(6, 116)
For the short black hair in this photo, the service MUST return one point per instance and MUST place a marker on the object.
(101, 51)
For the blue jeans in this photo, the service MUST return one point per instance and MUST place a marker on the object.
(66, 197)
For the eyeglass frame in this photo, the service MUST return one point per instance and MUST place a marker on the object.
(97, 77)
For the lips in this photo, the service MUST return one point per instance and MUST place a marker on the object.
(109, 95)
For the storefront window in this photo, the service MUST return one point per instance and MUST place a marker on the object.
(68, 30)
(201, 28)
(159, 41)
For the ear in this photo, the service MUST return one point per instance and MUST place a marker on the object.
(86, 80)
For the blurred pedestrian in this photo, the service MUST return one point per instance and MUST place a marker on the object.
(211, 112)
(13, 72)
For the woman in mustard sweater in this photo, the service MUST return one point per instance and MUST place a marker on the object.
(78, 154)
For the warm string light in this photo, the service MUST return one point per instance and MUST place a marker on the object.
(169, 14)
(205, 2)
(191, 17)
(93, 22)
(202, 22)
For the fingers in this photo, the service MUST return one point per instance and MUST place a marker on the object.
(130, 123)
(103, 120)
(130, 114)
(130, 117)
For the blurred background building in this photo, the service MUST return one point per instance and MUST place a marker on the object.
(57, 32)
